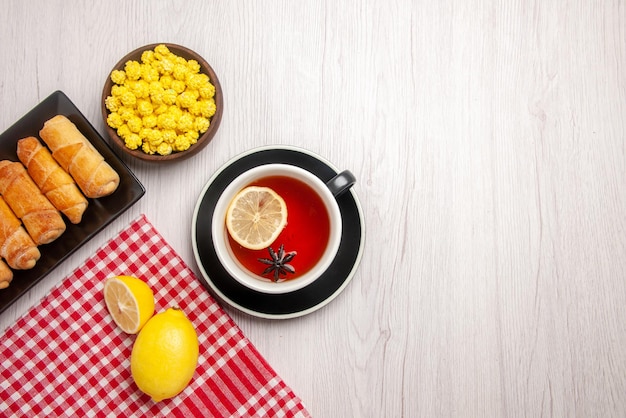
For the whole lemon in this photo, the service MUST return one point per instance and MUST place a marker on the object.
(165, 355)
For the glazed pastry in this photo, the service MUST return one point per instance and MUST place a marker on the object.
(95, 177)
(54, 182)
(6, 275)
(16, 246)
(42, 221)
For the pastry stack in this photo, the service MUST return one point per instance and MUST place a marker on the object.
(49, 183)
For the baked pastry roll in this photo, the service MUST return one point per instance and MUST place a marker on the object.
(95, 177)
(6, 275)
(40, 218)
(54, 182)
(16, 246)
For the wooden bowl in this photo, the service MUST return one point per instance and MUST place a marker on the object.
(203, 140)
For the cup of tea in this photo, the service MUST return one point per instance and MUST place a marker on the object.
(307, 243)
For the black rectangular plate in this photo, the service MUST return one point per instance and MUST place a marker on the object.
(99, 213)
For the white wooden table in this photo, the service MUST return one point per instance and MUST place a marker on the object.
(489, 144)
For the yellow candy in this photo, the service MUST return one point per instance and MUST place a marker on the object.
(161, 104)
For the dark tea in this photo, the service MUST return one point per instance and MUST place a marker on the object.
(307, 230)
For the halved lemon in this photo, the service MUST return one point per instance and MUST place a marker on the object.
(130, 302)
(255, 217)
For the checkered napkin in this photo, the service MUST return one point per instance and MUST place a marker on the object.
(66, 357)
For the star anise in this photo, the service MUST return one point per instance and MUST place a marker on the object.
(278, 263)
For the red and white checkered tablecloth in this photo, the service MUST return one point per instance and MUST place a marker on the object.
(66, 357)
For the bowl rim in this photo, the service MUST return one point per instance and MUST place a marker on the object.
(203, 140)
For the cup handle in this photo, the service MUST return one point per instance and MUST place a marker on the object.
(341, 183)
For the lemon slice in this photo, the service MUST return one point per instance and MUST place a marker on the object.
(130, 302)
(255, 217)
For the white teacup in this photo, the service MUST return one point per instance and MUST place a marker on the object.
(326, 191)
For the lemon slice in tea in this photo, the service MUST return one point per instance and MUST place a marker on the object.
(130, 302)
(255, 217)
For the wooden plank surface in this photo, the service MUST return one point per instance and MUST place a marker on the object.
(488, 143)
